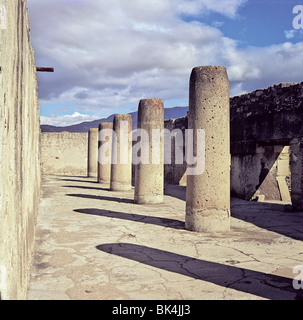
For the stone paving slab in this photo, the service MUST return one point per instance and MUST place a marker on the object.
(95, 244)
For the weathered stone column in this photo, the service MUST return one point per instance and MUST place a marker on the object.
(296, 169)
(104, 151)
(121, 167)
(208, 194)
(92, 161)
(149, 176)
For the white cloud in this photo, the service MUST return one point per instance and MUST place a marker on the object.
(110, 54)
(277, 63)
(228, 8)
(237, 90)
(289, 34)
(118, 51)
(67, 120)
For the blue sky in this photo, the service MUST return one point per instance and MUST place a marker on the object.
(258, 22)
(108, 55)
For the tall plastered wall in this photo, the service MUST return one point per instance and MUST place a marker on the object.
(64, 153)
(19, 150)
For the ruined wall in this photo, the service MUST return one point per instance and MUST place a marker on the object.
(175, 173)
(266, 115)
(64, 153)
(263, 175)
(262, 123)
(19, 150)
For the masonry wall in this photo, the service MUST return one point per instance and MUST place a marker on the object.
(64, 153)
(19, 150)
(175, 173)
(274, 114)
(262, 175)
(262, 123)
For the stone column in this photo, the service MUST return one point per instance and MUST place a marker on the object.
(208, 194)
(296, 173)
(104, 151)
(121, 166)
(92, 160)
(149, 176)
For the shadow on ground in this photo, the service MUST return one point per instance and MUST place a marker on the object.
(270, 216)
(276, 217)
(90, 196)
(245, 280)
(175, 191)
(87, 188)
(163, 222)
(82, 181)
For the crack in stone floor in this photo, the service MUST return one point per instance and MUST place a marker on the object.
(91, 246)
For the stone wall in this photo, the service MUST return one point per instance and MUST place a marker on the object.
(262, 123)
(175, 173)
(263, 175)
(64, 153)
(266, 115)
(19, 150)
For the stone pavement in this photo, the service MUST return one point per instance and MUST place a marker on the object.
(95, 244)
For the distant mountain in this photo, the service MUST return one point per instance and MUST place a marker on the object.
(169, 113)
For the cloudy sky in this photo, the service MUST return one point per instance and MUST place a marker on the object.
(109, 54)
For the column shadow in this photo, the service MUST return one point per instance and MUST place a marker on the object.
(70, 176)
(77, 180)
(175, 191)
(245, 280)
(270, 216)
(91, 196)
(87, 188)
(163, 222)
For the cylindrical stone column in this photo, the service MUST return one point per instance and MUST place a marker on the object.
(104, 151)
(208, 193)
(121, 164)
(92, 161)
(149, 175)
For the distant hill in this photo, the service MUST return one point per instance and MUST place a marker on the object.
(169, 113)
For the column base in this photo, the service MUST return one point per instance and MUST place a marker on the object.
(103, 181)
(91, 175)
(207, 220)
(148, 199)
(115, 186)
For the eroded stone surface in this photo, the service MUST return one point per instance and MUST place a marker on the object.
(92, 161)
(104, 151)
(149, 172)
(19, 150)
(121, 164)
(208, 192)
(92, 243)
